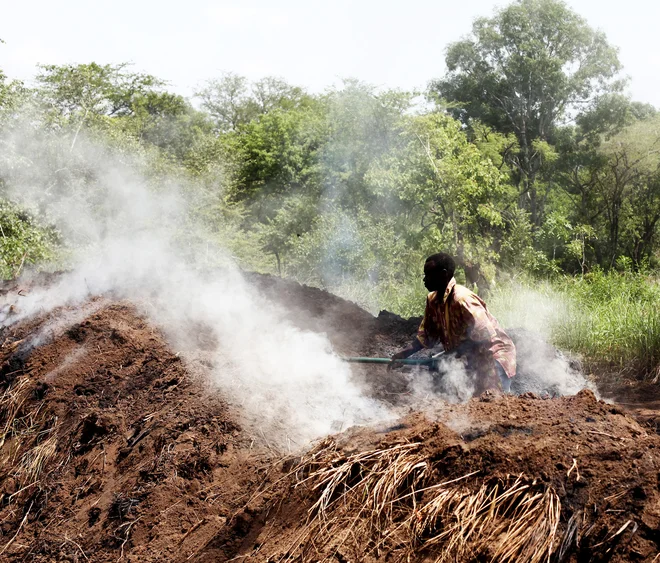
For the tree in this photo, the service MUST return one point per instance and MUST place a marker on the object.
(79, 94)
(601, 160)
(232, 100)
(363, 127)
(168, 121)
(450, 195)
(524, 71)
(272, 92)
(276, 154)
(225, 99)
(12, 95)
(610, 114)
(93, 89)
(23, 240)
(629, 187)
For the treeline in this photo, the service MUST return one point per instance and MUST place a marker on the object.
(526, 156)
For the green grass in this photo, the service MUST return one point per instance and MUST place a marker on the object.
(615, 321)
(612, 320)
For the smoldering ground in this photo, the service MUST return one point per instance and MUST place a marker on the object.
(541, 369)
(132, 241)
(532, 315)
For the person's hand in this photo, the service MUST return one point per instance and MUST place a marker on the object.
(398, 356)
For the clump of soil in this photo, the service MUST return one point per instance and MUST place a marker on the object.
(112, 448)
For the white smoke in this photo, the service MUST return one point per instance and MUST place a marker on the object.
(531, 314)
(128, 238)
(451, 383)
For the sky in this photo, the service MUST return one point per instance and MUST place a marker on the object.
(313, 44)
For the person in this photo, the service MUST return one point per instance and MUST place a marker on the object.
(458, 319)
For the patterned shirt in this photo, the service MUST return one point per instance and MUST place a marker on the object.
(461, 322)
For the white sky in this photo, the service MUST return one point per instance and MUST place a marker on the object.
(389, 43)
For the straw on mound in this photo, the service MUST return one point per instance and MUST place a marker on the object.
(502, 479)
(391, 496)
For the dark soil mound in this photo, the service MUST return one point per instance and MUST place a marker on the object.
(112, 448)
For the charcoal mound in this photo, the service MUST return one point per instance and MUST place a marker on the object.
(113, 448)
(495, 479)
(109, 446)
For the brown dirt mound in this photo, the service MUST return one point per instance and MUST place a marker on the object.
(368, 495)
(112, 448)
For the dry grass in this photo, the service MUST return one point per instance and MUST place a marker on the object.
(35, 459)
(360, 495)
(510, 520)
(390, 499)
(28, 445)
(11, 403)
(28, 439)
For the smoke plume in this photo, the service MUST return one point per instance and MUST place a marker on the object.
(531, 315)
(131, 240)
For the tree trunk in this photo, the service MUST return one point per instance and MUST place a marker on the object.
(528, 176)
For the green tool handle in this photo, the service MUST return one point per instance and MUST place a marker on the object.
(409, 362)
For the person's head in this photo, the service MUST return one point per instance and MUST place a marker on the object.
(438, 271)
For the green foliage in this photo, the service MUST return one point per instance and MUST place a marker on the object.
(364, 126)
(520, 72)
(23, 240)
(276, 153)
(517, 248)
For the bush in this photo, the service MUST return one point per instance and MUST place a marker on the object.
(22, 240)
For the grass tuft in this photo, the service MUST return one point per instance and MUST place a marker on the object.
(11, 403)
(28, 441)
(389, 500)
(35, 460)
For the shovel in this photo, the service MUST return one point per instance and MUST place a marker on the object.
(430, 362)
